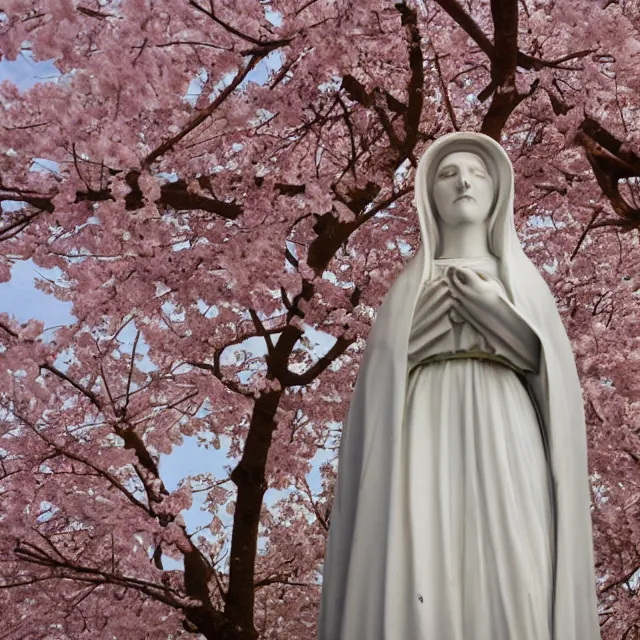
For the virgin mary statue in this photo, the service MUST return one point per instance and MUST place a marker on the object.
(462, 504)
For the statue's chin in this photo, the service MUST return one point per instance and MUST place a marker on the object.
(465, 212)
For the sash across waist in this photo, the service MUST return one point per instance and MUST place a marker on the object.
(472, 354)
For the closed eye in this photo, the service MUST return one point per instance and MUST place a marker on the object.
(449, 173)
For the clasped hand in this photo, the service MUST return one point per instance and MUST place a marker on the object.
(468, 285)
(464, 294)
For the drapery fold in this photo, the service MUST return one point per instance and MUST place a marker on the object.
(478, 502)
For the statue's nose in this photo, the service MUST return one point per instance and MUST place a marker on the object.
(463, 182)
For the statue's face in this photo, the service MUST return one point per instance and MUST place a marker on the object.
(462, 189)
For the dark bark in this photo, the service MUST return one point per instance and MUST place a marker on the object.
(503, 67)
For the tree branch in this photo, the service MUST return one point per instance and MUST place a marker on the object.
(197, 569)
(273, 44)
(620, 581)
(300, 379)
(203, 115)
(503, 67)
(468, 25)
(71, 571)
(415, 87)
(524, 60)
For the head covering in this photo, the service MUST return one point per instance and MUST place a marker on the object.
(503, 239)
(367, 565)
(427, 174)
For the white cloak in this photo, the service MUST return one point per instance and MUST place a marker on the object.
(369, 564)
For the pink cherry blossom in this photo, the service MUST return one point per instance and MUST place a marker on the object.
(224, 253)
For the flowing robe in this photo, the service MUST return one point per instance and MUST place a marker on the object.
(478, 504)
(367, 590)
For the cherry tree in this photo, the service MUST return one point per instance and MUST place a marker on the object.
(227, 180)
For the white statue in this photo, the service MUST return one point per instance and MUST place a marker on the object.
(462, 505)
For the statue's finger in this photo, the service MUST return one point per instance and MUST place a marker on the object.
(460, 276)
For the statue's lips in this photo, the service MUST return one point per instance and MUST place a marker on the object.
(461, 198)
